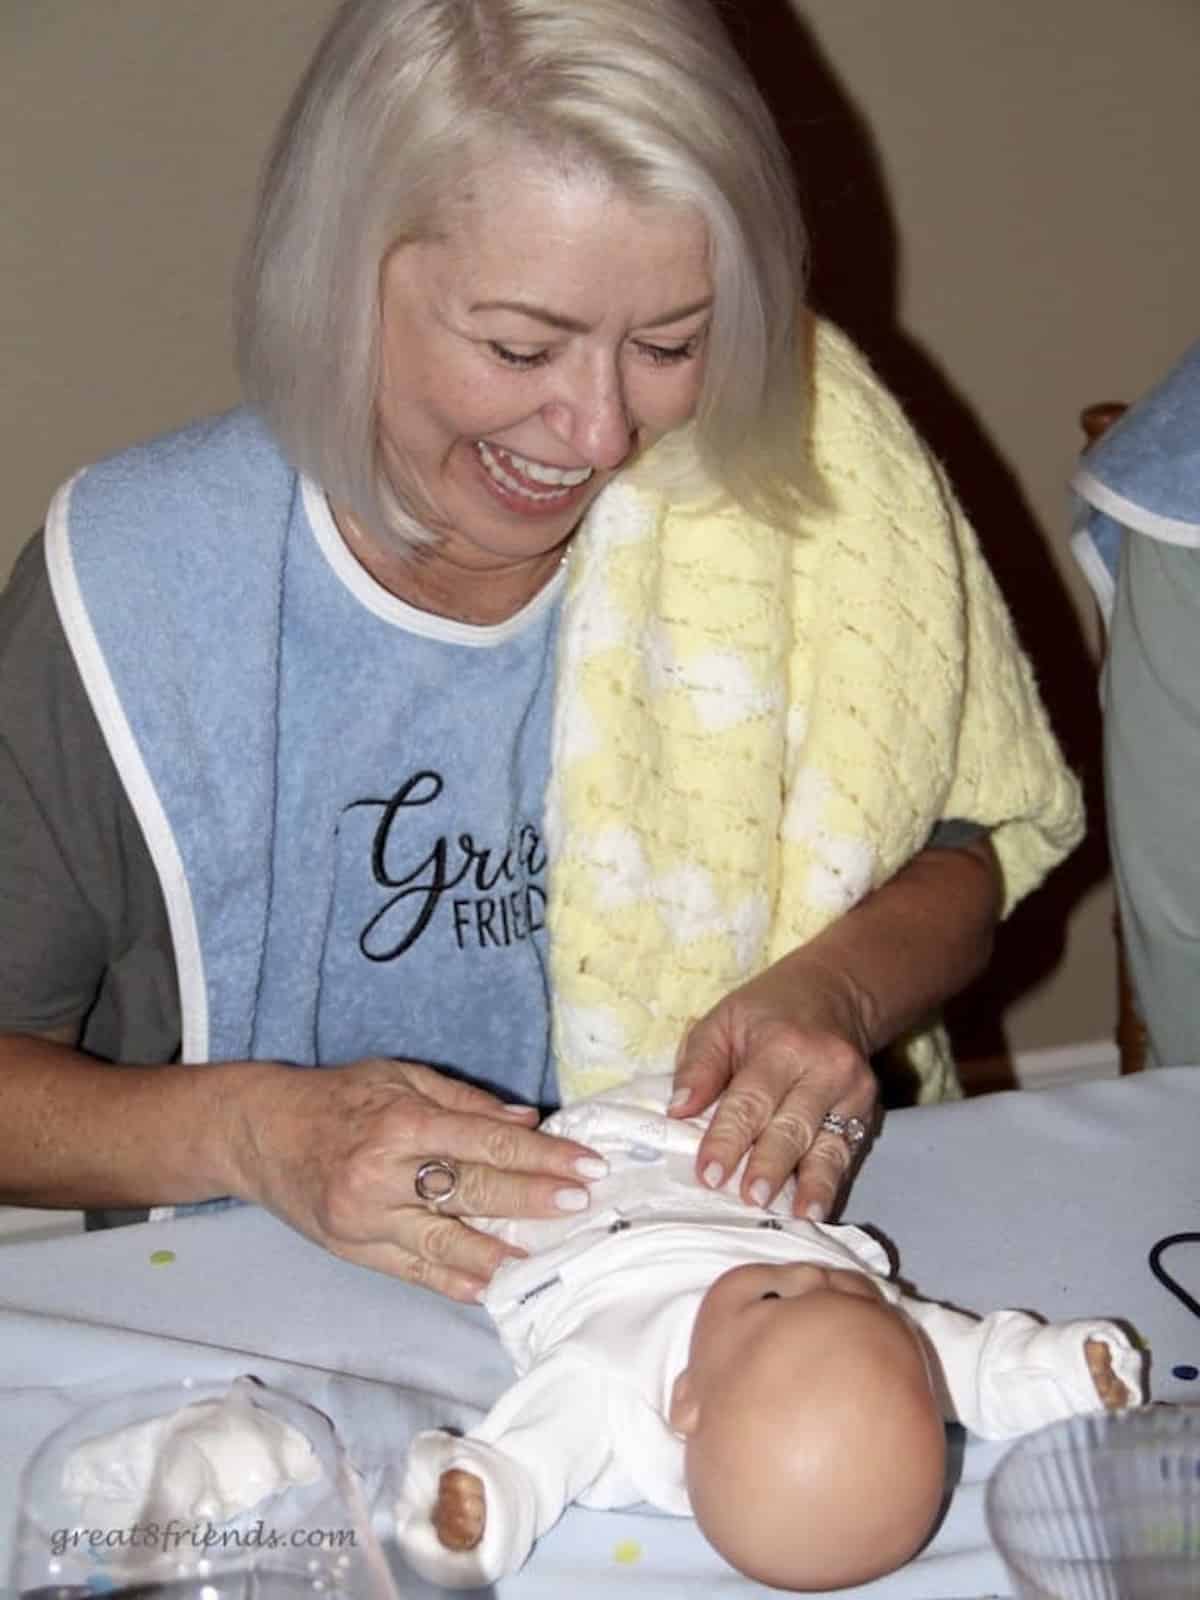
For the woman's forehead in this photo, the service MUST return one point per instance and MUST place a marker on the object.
(575, 232)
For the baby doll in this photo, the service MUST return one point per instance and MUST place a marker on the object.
(760, 1372)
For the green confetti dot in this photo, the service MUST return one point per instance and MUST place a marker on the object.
(627, 1552)
(161, 1258)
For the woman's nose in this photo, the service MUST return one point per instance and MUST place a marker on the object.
(592, 416)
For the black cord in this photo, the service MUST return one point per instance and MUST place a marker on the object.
(1165, 1278)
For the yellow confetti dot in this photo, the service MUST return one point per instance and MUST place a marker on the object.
(161, 1258)
(627, 1552)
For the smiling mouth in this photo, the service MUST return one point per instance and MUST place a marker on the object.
(533, 480)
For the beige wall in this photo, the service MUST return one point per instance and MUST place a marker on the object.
(1003, 201)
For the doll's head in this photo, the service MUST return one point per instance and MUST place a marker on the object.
(814, 1443)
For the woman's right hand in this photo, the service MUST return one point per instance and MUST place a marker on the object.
(334, 1152)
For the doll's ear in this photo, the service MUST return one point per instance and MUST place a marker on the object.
(684, 1411)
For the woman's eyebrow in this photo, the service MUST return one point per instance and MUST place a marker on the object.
(679, 316)
(556, 319)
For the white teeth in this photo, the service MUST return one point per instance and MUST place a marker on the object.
(562, 478)
(568, 478)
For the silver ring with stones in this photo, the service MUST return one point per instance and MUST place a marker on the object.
(436, 1182)
(852, 1129)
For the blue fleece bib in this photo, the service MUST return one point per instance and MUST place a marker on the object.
(342, 796)
(409, 868)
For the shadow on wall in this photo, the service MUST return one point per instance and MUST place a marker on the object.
(855, 280)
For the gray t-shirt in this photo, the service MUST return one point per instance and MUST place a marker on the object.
(83, 928)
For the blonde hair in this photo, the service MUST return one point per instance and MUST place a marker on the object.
(391, 118)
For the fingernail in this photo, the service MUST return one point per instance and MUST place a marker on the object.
(714, 1175)
(572, 1199)
(816, 1212)
(679, 1098)
(760, 1192)
(519, 1111)
(592, 1167)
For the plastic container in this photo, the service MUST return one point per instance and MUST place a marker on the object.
(307, 1540)
(1102, 1507)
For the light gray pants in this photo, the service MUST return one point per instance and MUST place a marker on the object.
(1152, 771)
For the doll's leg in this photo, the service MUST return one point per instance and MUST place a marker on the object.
(1114, 1394)
(467, 1512)
(471, 1508)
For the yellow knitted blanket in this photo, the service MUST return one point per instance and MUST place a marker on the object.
(754, 728)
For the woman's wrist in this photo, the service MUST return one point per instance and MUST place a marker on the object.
(816, 991)
(244, 1102)
(913, 944)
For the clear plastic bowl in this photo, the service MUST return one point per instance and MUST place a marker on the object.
(1102, 1507)
(305, 1540)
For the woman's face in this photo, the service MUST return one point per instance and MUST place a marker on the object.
(550, 332)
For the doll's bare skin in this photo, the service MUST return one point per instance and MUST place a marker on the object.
(460, 1512)
(804, 1388)
(814, 1441)
(1109, 1387)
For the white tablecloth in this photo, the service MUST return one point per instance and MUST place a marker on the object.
(1050, 1201)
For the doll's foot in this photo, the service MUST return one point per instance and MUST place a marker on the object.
(461, 1510)
(1109, 1387)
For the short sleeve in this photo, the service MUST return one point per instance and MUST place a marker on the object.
(83, 930)
(52, 946)
(955, 833)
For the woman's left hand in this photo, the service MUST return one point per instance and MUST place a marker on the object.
(792, 1046)
(782, 1052)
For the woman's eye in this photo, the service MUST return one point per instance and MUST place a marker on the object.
(665, 355)
(516, 358)
(770, 1295)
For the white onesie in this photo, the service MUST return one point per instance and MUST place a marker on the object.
(598, 1320)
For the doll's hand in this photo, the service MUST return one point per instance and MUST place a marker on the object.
(782, 1052)
(460, 1515)
(1113, 1393)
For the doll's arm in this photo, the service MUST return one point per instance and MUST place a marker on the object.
(1008, 1373)
(542, 1444)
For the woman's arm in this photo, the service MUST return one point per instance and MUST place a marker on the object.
(333, 1151)
(795, 1042)
(75, 1131)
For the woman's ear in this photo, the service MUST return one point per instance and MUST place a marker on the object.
(684, 1411)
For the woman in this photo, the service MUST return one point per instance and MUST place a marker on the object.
(569, 664)
(1138, 541)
